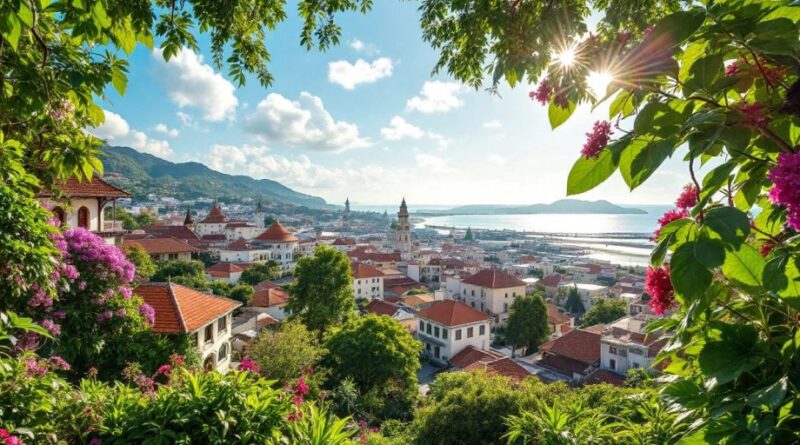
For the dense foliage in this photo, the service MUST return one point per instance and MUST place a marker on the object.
(322, 296)
(381, 358)
(715, 82)
(604, 311)
(286, 353)
(259, 272)
(527, 323)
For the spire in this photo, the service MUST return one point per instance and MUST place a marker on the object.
(347, 204)
(403, 209)
(188, 221)
(259, 207)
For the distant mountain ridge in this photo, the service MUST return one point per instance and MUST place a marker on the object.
(562, 206)
(142, 173)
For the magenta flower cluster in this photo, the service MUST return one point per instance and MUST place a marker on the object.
(103, 261)
(668, 217)
(149, 314)
(786, 189)
(688, 197)
(9, 439)
(542, 93)
(597, 140)
(658, 285)
(249, 364)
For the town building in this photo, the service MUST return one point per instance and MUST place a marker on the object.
(574, 355)
(82, 204)
(472, 359)
(402, 239)
(367, 281)
(589, 292)
(241, 251)
(223, 271)
(163, 249)
(402, 315)
(280, 243)
(492, 291)
(207, 319)
(559, 322)
(625, 345)
(271, 299)
(447, 327)
(214, 223)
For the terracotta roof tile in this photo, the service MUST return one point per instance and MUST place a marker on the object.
(381, 307)
(551, 280)
(505, 367)
(223, 269)
(277, 233)
(215, 216)
(578, 344)
(361, 271)
(605, 376)
(471, 355)
(493, 279)
(563, 365)
(269, 294)
(164, 231)
(156, 246)
(96, 187)
(453, 313)
(181, 309)
(344, 242)
(555, 316)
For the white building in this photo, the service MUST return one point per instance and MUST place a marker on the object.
(625, 345)
(589, 292)
(367, 281)
(236, 230)
(280, 243)
(214, 223)
(83, 203)
(227, 272)
(240, 251)
(402, 237)
(207, 319)
(447, 327)
(492, 291)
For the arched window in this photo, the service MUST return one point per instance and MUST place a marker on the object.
(223, 352)
(208, 363)
(83, 217)
(59, 213)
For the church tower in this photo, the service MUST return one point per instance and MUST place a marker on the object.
(403, 232)
(259, 216)
(346, 215)
(188, 222)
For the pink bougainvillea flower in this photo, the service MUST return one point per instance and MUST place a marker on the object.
(754, 115)
(164, 369)
(668, 217)
(597, 140)
(301, 387)
(249, 364)
(60, 363)
(657, 284)
(688, 197)
(786, 189)
(52, 327)
(732, 69)
(542, 93)
(149, 314)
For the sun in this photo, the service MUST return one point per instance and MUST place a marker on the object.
(598, 82)
(566, 57)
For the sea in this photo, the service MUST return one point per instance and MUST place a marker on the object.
(618, 239)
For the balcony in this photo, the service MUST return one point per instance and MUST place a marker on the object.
(112, 226)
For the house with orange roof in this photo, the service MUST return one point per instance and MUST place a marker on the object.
(81, 204)
(574, 355)
(447, 327)
(401, 314)
(492, 291)
(224, 271)
(471, 359)
(281, 244)
(367, 281)
(205, 318)
(625, 345)
(164, 249)
(270, 298)
(242, 251)
(559, 322)
(214, 222)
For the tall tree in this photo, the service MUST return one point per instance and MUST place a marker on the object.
(167, 270)
(382, 359)
(604, 311)
(259, 272)
(527, 323)
(284, 354)
(322, 296)
(574, 303)
(469, 236)
(145, 266)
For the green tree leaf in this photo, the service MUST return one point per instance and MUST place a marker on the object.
(744, 266)
(689, 275)
(730, 223)
(559, 115)
(710, 252)
(770, 396)
(587, 174)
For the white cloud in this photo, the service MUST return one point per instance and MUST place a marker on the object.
(496, 159)
(163, 128)
(357, 45)
(303, 123)
(493, 124)
(399, 129)
(296, 172)
(437, 97)
(115, 130)
(192, 83)
(433, 164)
(349, 75)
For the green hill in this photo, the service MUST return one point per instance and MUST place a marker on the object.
(142, 173)
(563, 206)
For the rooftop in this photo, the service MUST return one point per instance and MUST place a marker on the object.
(92, 188)
(157, 246)
(453, 313)
(181, 309)
(493, 279)
(277, 233)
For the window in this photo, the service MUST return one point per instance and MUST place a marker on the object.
(83, 217)
(473, 292)
(428, 329)
(436, 351)
(506, 294)
(444, 333)
(505, 307)
(59, 213)
(612, 364)
(482, 330)
(612, 349)
(469, 332)
(514, 294)
(208, 334)
(223, 352)
(173, 256)
(436, 332)
(458, 334)
(635, 365)
(222, 324)
(196, 339)
(465, 292)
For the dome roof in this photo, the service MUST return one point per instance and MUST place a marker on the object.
(277, 233)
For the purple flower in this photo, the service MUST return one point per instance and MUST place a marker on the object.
(41, 300)
(125, 291)
(149, 314)
(60, 363)
(786, 191)
(164, 369)
(52, 327)
(59, 314)
(95, 441)
(121, 312)
(34, 368)
(105, 315)
(82, 285)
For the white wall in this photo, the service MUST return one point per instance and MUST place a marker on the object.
(218, 339)
(370, 288)
(498, 301)
(452, 346)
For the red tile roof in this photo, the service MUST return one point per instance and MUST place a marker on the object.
(551, 280)
(95, 187)
(214, 237)
(593, 268)
(215, 216)
(239, 244)
(605, 376)
(269, 294)
(223, 269)
(164, 231)
(471, 355)
(381, 307)
(277, 233)
(555, 316)
(505, 367)
(577, 344)
(563, 365)
(361, 271)
(453, 313)
(157, 246)
(181, 309)
(344, 242)
(493, 279)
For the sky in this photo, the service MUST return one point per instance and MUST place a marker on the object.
(365, 120)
